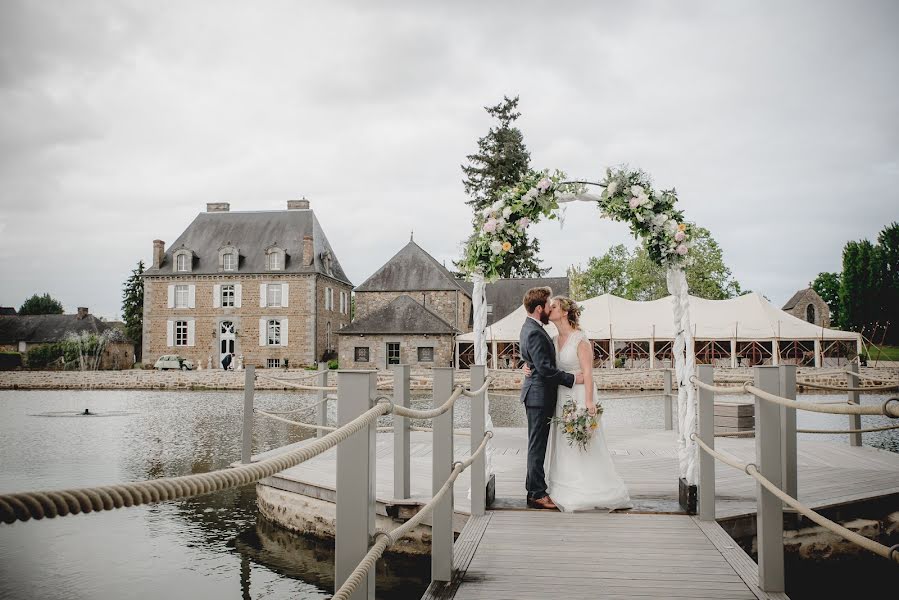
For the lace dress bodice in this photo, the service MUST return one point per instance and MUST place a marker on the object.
(566, 356)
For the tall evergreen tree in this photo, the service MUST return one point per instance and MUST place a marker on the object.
(888, 247)
(133, 308)
(41, 305)
(500, 161)
(827, 285)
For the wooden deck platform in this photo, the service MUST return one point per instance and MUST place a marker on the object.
(829, 473)
(520, 555)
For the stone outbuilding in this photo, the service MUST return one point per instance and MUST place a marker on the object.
(809, 306)
(402, 332)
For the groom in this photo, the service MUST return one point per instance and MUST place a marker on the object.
(539, 391)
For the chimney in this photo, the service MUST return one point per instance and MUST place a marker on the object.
(158, 253)
(217, 207)
(82, 312)
(307, 250)
(298, 204)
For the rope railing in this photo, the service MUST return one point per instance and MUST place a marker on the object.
(314, 388)
(303, 377)
(24, 506)
(307, 407)
(837, 388)
(890, 553)
(719, 389)
(871, 377)
(821, 431)
(425, 414)
(885, 408)
(386, 429)
(384, 539)
(480, 390)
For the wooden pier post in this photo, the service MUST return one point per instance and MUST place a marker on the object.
(855, 421)
(401, 395)
(706, 374)
(249, 389)
(441, 466)
(667, 377)
(478, 429)
(788, 430)
(355, 481)
(769, 457)
(321, 411)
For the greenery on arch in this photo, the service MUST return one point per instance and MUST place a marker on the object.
(627, 196)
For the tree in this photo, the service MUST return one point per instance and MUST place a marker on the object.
(888, 245)
(827, 285)
(133, 308)
(41, 305)
(500, 161)
(635, 276)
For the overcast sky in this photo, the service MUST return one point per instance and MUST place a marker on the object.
(776, 122)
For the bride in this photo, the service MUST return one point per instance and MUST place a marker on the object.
(579, 479)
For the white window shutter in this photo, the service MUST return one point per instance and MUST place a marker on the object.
(190, 332)
(171, 297)
(284, 332)
(170, 332)
(191, 296)
(285, 292)
(263, 290)
(263, 334)
(238, 291)
(216, 296)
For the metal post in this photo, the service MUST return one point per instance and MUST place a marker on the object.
(249, 385)
(401, 397)
(478, 468)
(855, 421)
(442, 518)
(321, 411)
(355, 481)
(706, 374)
(788, 430)
(769, 527)
(668, 400)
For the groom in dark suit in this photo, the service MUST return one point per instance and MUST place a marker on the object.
(539, 390)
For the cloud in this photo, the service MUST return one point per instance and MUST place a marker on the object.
(774, 121)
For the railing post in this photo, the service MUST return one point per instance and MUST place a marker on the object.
(321, 411)
(769, 524)
(706, 374)
(355, 481)
(249, 388)
(442, 517)
(855, 421)
(669, 412)
(478, 468)
(788, 430)
(401, 433)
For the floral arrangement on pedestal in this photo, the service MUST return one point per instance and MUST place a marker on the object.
(627, 196)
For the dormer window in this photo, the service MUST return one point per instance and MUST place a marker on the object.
(183, 259)
(274, 259)
(229, 258)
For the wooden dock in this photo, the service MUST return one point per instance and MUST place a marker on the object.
(535, 554)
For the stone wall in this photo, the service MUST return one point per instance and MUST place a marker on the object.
(306, 337)
(409, 345)
(822, 311)
(454, 307)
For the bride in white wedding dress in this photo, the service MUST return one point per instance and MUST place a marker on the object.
(579, 479)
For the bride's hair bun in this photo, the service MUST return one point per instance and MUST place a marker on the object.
(573, 309)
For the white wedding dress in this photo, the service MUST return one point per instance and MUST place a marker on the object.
(577, 479)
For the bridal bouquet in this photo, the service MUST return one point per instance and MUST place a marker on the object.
(577, 424)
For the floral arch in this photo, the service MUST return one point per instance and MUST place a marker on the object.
(628, 196)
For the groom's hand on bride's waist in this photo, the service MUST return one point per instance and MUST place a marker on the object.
(579, 378)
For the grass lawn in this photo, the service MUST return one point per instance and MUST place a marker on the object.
(883, 353)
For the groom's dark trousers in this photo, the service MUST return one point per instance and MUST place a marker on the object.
(539, 393)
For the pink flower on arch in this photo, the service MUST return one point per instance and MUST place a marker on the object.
(679, 236)
(681, 249)
(634, 202)
(490, 225)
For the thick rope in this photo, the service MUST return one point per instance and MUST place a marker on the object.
(37, 505)
(753, 471)
(426, 414)
(307, 407)
(868, 430)
(684, 366)
(871, 377)
(385, 539)
(296, 385)
(837, 388)
(833, 409)
(718, 389)
(480, 390)
(302, 378)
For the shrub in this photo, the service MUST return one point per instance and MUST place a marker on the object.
(41, 356)
(332, 364)
(10, 360)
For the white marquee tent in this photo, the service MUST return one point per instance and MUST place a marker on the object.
(726, 332)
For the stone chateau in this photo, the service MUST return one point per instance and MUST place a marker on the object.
(265, 285)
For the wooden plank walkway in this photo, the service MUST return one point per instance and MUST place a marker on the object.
(829, 472)
(534, 554)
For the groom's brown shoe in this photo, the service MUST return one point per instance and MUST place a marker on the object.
(544, 503)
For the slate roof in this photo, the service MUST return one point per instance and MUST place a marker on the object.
(402, 316)
(7, 310)
(252, 232)
(505, 295)
(794, 300)
(38, 329)
(411, 269)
